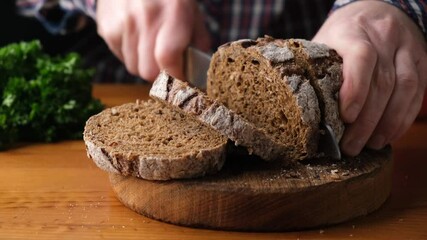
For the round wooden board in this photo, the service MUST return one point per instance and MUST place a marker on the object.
(251, 195)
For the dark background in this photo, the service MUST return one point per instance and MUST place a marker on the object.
(15, 28)
(93, 50)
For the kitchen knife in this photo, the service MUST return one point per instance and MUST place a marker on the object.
(196, 67)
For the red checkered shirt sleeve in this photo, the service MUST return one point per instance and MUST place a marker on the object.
(416, 10)
(58, 16)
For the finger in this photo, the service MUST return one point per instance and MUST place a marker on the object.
(394, 119)
(114, 43)
(201, 36)
(129, 44)
(169, 51)
(359, 60)
(110, 31)
(147, 66)
(379, 94)
(411, 114)
(417, 102)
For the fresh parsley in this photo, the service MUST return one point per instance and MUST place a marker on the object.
(43, 98)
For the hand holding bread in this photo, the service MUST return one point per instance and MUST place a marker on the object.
(385, 71)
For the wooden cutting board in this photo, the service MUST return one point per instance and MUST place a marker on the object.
(252, 195)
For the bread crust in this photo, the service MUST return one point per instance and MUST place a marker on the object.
(296, 68)
(328, 84)
(215, 115)
(195, 163)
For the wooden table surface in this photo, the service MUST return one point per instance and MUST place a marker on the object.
(53, 191)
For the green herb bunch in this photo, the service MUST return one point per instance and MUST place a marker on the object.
(43, 98)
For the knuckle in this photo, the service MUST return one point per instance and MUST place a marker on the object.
(350, 107)
(107, 32)
(149, 13)
(356, 100)
(386, 81)
(111, 27)
(146, 72)
(407, 81)
(183, 5)
(369, 123)
(387, 27)
(130, 21)
(364, 51)
(167, 56)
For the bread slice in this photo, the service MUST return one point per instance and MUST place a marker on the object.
(150, 141)
(192, 101)
(284, 87)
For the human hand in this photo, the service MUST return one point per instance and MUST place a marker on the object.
(384, 69)
(151, 35)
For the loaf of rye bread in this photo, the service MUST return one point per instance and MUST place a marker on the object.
(151, 141)
(191, 101)
(273, 94)
(284, 87)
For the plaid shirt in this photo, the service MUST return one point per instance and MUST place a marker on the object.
(227, 20)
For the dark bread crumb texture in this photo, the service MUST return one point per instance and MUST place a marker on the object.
(284, 87)
(189, 100)
(151, 141)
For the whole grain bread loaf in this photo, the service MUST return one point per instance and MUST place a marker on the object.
(189, 100)
(284, 87)
(151, 141)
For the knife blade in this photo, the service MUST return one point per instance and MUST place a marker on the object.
(196, 68)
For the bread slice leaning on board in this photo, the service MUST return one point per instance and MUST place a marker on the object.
(148, 140)
(284, 87)
(268, 95)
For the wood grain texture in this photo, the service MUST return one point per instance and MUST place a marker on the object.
(53, 191)
(249, 195)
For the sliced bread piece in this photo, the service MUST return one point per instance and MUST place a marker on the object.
(150, 141)
(192, 101)
(277, 85)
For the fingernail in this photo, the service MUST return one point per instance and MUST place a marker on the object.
(352, 147)
(352, 111)
(376, 141)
